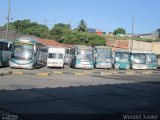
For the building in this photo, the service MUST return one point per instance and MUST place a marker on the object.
(53, 43)
(12, 35)
(96, 31)
(148, 36)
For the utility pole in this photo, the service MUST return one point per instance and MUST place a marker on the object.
(132, 25)
(8, 18)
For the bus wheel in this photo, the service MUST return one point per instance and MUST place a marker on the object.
(63, 66)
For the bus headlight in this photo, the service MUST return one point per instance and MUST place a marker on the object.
(127, 67)
(117, 66)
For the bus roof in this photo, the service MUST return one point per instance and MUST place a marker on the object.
(28, 40)
(120, 50)
(103, 47)
(83, 47)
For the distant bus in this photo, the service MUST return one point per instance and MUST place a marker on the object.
(103, 57)
(152, 61)
(67, 58)
(82, 57)
(5, 53)
(158, 58)
(28, 53)
(122, 59)
(56, 57)
(142, 60)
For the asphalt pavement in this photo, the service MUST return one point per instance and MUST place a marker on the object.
(68, 96)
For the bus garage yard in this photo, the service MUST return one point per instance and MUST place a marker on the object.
(55, 94)
(45, 71)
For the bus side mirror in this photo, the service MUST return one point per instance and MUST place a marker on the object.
(34, 48)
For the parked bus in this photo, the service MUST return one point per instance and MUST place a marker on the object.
(122, 59)
(103, 57)
(82, 57)
(28, 53)
(143, 60)
(152, 61)
(67, 58)
(158, 57)
(5, 53)
(56, 57)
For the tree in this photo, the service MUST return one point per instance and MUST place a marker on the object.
(84, 38)
(119, 31)
(39, 30)
(30, 28)
(82, 27)
(60, 30)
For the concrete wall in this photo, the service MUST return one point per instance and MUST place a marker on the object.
(141, 46)
(156, 48)
(134, 45)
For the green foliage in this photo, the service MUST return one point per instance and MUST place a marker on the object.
(41, 31)
(119, 31)
(60, 30)
(30, 28)
(84, 38)
(144, 39)
(82, 27)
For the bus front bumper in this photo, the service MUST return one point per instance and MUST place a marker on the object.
(139, 67)
(109, 65)
(23, 66)
(121, 66)
(55, 65)
(81, 66)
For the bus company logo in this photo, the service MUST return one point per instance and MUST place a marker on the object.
(9, 117)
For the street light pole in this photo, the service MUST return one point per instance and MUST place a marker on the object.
(132, 25)
(8, 18)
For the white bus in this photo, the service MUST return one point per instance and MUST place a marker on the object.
(56, 57)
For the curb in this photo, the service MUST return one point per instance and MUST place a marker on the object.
(29, 73)
(80, 73)
(5, 73)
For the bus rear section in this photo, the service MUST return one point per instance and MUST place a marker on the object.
(103, 57)
(56, 57)
(122, 59)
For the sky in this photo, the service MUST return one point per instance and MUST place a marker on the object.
(106, 15)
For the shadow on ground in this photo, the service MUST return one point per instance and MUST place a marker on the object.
(99, 102)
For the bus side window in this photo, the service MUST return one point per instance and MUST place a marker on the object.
(1, 46)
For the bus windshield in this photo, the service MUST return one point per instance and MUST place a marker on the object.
(55, 55)
(85, 54)
(103, 54)
(139, 58)
(152, 58)
(23, 51)
(122, 56)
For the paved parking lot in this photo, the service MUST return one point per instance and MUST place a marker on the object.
(77, 96)
(49, 71)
